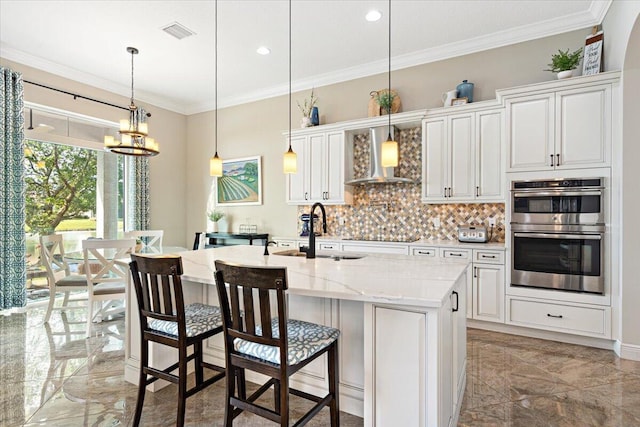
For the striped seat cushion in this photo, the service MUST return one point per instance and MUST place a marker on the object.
(304, 340)
(199, 318)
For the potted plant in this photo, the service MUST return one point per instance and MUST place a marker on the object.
(215, 216)
(307, 108)
(384, 98)
(563, 63)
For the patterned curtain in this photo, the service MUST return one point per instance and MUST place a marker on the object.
(13, 269)
(138, 194)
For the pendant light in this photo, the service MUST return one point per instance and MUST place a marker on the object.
(389, 151)
(134, 130)
(290, 162)
(215, 163)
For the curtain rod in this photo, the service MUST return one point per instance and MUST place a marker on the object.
(75, 96)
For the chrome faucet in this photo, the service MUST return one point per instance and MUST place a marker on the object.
(311, 251)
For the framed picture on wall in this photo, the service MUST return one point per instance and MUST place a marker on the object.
(593, 54)
(240, 183)
(459, 101)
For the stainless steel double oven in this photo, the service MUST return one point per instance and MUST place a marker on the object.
(557, 234)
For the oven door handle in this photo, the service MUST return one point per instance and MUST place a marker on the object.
(558, 193)
(559, 236)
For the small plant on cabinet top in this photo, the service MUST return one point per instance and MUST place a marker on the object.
(564, 61)
(384, 98)
(308, 105)
(216, 216)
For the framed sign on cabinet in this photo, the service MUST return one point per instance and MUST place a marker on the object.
(593, 54)
(240, 183)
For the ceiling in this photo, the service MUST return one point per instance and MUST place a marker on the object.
(331, 41)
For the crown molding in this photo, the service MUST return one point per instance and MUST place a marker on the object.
(586, 19)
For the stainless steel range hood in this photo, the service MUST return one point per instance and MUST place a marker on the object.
(378, 174)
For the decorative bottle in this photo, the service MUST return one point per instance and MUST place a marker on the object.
(315, 117)
(465, 90)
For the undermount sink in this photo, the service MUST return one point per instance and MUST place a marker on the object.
(337, 257)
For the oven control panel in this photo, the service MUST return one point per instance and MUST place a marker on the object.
(469, 234)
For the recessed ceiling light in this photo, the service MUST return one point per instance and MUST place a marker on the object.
(373, 15)
(263, 50)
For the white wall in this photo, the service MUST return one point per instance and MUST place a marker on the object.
(622, 48)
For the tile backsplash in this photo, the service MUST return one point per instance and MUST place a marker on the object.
(395, 211)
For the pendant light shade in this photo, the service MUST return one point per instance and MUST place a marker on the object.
(389, 152)
(215, 163)
(290, 160)
(290, 164)
(134, 130)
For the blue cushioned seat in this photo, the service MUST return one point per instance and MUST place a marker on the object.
(198, 318)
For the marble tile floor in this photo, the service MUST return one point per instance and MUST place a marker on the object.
(52, 376)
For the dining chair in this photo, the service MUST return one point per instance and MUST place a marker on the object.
(150, 239)
(165, 319)
(59, 275)
(106, 277)
(276, 346)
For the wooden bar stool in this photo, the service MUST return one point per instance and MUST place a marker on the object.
(277, 347)
(164, 319)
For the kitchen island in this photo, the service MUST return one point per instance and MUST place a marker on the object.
(402, 318)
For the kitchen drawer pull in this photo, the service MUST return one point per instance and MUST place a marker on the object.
(557, 316)
(454, 254)
(328, 247)
(424, 252)
(488, 256)
(551, 155)
(457, 301)
(285, 245)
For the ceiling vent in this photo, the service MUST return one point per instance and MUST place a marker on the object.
(177, 30)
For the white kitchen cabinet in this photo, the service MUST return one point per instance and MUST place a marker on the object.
(488, 292)
(463, 157)
(376, 248)
(321, 169)
(563, 128)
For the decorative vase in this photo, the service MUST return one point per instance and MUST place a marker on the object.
(315, 117)
(223, 226)
(305, 122)
(214, 226)
(565, 74)
(465, 90)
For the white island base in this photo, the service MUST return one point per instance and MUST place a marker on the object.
(402, 346)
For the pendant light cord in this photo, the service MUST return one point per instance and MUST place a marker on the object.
(215, 96)
(132, 53)
(389, 93)
(289, 75)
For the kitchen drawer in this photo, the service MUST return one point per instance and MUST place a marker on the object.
(488, 257)
(291, 244)
(578, 320)
(419, 251)
(329, 246)
(455, 253)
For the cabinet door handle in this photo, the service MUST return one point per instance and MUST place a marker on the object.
(445, 191)
(557, 316)
(477, 191)
(449, 191)
(457, 301)
(551, 155)
(306, 196)
(557, 159)
(475, 271)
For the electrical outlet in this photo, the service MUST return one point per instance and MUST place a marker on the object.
(492, 222)
(436, 222)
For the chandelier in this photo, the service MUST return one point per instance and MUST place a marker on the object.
(134, 130)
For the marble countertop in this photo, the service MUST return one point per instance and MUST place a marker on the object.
(395, 279)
